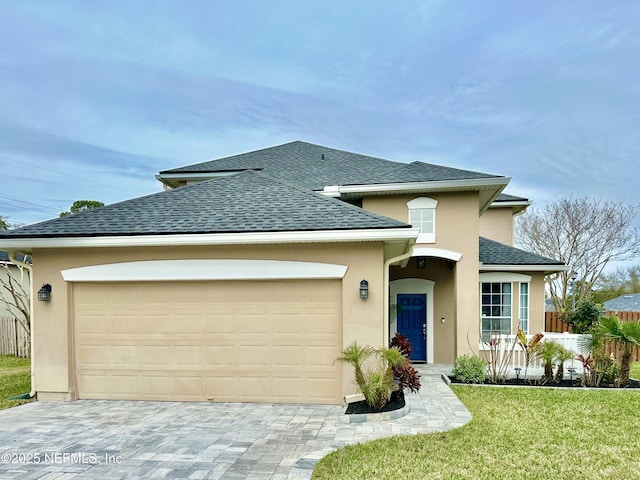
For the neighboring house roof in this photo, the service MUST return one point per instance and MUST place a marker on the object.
(315, 167)
(624, 303)
(247, 202)
(548, 305)
(4, 258)
(498, 254)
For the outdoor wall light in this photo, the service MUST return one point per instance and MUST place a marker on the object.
(421, 262)
(364, 289)
(44, 294)
(442, 320)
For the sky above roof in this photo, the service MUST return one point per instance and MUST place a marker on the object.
(97, 97)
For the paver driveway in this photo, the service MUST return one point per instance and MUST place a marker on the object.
(122, 439)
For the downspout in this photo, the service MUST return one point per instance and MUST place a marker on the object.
(12, 257)
(385, 303)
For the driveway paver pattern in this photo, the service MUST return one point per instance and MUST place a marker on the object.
(106, 439)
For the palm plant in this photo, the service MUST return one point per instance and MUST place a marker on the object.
(625, 335)
(562, 355)
(377, 388)
(548, 353)
(531, 348)
(375, 384)
(355, 355)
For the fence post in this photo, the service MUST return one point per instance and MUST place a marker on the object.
(15, 329)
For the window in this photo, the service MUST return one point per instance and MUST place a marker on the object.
(524, 308)
(422, 215)
(496, 309)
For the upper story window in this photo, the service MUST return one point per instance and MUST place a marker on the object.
(422, 215)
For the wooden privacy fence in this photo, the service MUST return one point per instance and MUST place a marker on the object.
(13, 339)
(553, 323)
(553, 320)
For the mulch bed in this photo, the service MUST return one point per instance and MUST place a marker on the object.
(564, 383)
(396, 402)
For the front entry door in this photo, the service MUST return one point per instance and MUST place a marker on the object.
(412, 322)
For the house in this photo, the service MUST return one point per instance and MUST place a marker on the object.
(246, 277)
(629, 302)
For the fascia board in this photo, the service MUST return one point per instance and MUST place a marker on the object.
(522, 203)
(323, 236)
(426, 186)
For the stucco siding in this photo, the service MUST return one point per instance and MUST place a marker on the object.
(53, 363)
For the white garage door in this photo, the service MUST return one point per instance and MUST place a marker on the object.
(238, 341)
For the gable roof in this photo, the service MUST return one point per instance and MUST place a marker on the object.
(499, 255)
(629, 302)
(243, 203)
(315, 167)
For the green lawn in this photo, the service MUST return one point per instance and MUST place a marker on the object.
(635, 370)
(515, 433)
(15, 379)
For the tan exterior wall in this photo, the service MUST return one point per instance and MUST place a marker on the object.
(457, 227)
(441, 273)
(497, 224)
(53, 339)
(536, 303)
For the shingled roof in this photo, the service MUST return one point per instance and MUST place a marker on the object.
(629, 302)
(496, 253)
(246, 202)
(314, 167)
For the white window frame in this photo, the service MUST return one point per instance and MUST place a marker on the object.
(503, 306)
(513, 278)
(523, 307)
(424, 206)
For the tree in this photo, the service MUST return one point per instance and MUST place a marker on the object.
(612, 285)
(15, 296)
(81, 206)
(584, 233)
(4, 224)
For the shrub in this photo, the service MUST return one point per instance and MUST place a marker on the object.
(406, 375)
(585, 316)
(402, 343)
(470, 369)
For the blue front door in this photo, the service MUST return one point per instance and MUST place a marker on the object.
(412, 322)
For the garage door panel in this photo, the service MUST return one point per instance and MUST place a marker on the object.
(155, 355)
(220, 341)
(123, 355)
(93, 355)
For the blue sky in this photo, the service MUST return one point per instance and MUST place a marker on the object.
(97, 97)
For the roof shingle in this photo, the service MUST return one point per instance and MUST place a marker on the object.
(314, 167)
(496, 253)
(246, 202)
